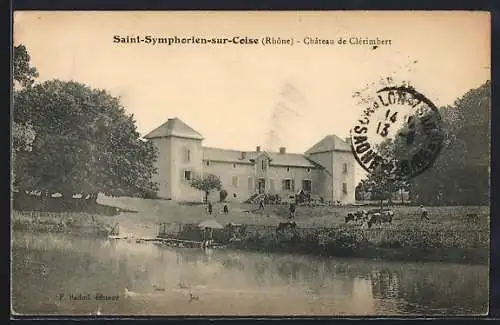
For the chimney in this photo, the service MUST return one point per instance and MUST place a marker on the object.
(243, 155)
(282, 150)
(257, 149)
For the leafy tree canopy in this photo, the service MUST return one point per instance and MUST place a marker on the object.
(460, 174)
(85, 142)
(206, 184)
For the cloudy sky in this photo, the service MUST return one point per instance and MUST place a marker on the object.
(242, 96)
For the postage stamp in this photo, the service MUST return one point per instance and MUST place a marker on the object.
(250, 163)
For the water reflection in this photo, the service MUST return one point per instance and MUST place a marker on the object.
(229, 282)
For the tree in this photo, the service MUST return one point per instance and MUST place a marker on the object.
(23, 134)
(383, 182)
(24, 75)
(461, 172)
(85, 143)
(222, 195)
(206, 184)
(361, 189)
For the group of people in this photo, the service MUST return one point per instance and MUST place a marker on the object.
(210, 208)
(293, 207)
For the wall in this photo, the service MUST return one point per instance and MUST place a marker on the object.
(225, 171)
(162, 177)
(279, 173)
(182, 189)
(323, 179)
(339, 176)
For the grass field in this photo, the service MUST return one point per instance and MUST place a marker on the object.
(449, 231)
(156, 211)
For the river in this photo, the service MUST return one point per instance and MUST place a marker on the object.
(56, 274)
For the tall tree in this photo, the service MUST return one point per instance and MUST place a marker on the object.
(461, 172)
(23, 134)
(24, 74)
(85, 143)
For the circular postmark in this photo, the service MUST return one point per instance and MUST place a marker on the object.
(398, 133)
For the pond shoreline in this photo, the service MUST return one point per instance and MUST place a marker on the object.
(396, 245)
(73, 223)
(472, 256)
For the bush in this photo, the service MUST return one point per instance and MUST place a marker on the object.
(222, 195)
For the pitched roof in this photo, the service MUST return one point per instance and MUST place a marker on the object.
(330, 143)
(174, 127)
(277, 159)
(228, 155)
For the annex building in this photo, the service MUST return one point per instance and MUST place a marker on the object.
(325, 170)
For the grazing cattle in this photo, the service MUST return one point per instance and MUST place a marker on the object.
(380, 217)
(360, 215)
(472, 217)
(284, 225)
(350, 217)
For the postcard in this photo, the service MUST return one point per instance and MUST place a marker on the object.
(250, 163)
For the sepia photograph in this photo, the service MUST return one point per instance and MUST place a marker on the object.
(250, 163)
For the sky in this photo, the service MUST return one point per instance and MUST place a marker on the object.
(242, 96)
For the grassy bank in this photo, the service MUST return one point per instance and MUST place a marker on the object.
(421, 245)
(149, 210)
(78, 223)
(450, 235)
(409, 243)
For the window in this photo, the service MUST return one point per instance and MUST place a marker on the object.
(234, 165)
(235, 181)
(288, 185)
(307, 185)
(263, 164)
(344, 187)
(288, 169)
(250, 183)
(308, 170)
(345, 168)
(187, 175)
(208, 163)
(187, 155)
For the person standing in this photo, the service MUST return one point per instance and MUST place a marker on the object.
(292, 210)
(261, 205)
(423, 213)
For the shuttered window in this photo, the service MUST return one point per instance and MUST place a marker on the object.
(288, 185)
(272, 186)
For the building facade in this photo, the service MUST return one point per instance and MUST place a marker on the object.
(325, 170)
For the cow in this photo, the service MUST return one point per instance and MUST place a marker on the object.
(350, 217)
(284, 225)
(359, 215)
(472, 217)
(380, 217)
